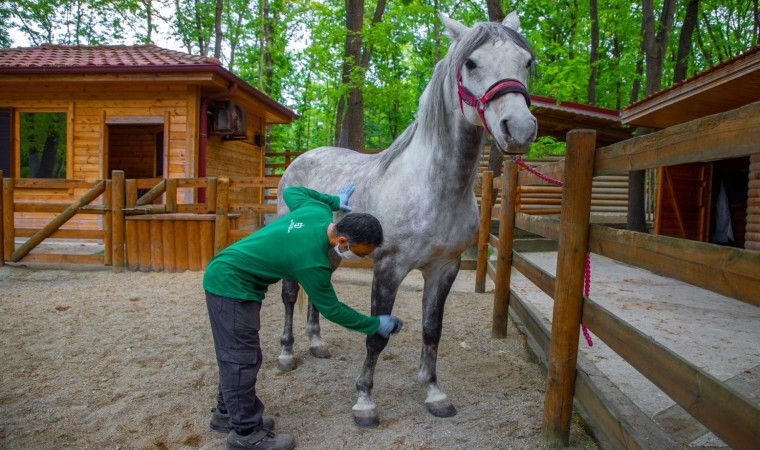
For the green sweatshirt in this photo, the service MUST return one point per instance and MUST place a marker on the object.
(293, 247)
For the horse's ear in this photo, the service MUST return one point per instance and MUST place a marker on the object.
(454, 28)
(512, 21)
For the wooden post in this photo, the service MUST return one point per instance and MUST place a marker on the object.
(9, 227)
(133, 245)
(107, 223)
(206, 233)
(130, 193)
(2, 254)
(211, 194)
(143, 246)
(221, 222)
(486, 194)
(568, 294)
(506, 242)
(59, 220)
(181, 245)
(194, 245)
(167, 244)
(156, 253)
(171, 195)
(117, 220)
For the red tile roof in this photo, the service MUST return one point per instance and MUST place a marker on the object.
(102, 56)
(51, 59)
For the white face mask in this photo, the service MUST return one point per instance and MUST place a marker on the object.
(348, 254)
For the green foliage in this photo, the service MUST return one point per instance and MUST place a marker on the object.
(545, 146)
(43, 145)
(308, 37)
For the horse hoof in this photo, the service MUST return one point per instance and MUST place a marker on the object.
(441, 409)
(320, 352)
(366, 419)
(286, 364)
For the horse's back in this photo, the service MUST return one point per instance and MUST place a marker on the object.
(324, 169)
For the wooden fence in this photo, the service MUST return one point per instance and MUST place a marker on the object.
(158, 230)
(733, 418)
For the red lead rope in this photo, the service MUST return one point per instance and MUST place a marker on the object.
(587, 274)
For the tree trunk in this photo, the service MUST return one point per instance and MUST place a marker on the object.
(594, 54)
(495, 11)
(349, 129)
(655, 44)
(684, 41)
(218, 29)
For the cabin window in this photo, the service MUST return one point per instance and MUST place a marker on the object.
(42, 144)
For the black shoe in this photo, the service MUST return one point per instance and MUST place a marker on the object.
(221, 422)
(261, 440)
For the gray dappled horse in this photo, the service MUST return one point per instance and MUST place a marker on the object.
(421, 189)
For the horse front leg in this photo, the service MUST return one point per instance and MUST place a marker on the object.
(385, 283)
(286, 362)
(438, 282)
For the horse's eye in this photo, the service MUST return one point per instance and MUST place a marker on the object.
(470, 65)
(530, 63)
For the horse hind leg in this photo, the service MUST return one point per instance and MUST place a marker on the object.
(437, 286)
(317, 347)
(286, 362)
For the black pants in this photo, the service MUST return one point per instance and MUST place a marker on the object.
(235, 326)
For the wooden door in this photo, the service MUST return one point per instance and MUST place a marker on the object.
(683, 201)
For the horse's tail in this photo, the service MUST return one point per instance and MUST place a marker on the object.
(301, 300)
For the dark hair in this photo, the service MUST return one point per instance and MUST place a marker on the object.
(361, 228)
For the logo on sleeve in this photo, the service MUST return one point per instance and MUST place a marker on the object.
(296, 225)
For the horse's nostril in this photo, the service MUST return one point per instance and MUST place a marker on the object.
(505, 128)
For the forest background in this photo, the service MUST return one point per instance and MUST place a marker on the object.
(354, 70)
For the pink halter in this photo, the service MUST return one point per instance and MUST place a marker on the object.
(498, 89)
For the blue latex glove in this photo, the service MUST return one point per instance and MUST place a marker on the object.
(344, 194)
(388, 325)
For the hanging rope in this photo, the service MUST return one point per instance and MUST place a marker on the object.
(587, 272)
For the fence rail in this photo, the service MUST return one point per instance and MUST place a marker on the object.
(143, 224)
(732, 417)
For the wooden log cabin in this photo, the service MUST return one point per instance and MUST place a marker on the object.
(696, 201)
(81, 112)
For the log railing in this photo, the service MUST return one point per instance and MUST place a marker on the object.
(731, 416)
(125, 225)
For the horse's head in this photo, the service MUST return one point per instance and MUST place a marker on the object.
(491, 63)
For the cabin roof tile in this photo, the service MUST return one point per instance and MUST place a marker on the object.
(52, 56)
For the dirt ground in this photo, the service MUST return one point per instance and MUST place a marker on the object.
(126, 361)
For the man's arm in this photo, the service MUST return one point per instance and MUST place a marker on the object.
(316, 283)
(296, 196)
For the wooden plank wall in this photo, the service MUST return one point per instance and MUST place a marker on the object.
(89, 106)
(752, 235)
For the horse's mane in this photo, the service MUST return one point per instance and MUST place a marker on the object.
(432, 114)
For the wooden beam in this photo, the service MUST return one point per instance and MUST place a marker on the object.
(9, 238)
(504, 251)
(484, 230)
(542, 226)
(728, 271)
(117, 221)
(732, 417)
(568, 296)
(730, 134)
(59, 220)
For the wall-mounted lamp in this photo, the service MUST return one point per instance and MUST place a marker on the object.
(258, 140)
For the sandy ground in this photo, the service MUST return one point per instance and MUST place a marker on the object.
(126, 361)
